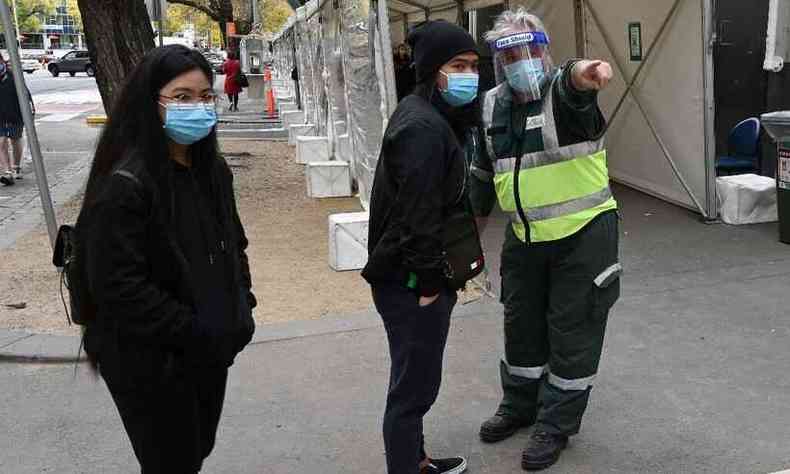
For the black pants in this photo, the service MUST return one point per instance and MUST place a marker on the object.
(234, 101)
(557, 297)
(417, 336)
(172, 425)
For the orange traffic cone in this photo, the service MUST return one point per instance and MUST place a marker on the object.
(270, 106)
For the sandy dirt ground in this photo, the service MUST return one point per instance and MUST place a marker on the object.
(288, 251)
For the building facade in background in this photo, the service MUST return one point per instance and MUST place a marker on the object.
(58, 31)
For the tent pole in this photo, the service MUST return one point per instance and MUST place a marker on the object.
(629, 90)
(709, 41)
(27, 117)
(382, 16)
(581, 29)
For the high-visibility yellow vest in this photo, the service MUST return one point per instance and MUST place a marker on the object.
(561, 189)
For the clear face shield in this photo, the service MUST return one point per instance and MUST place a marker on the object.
(521, 60)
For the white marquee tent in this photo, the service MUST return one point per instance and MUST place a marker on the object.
(660, 106)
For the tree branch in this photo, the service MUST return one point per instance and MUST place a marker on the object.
(190, 3)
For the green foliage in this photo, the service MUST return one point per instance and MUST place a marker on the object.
(74, 11)
(274, 14)
(31, 14)
(180, 16)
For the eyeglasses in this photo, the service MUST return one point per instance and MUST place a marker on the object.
(208, 98)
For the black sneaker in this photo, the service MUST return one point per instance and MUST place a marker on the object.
(543, 449)
(7, 180)
(445, 466)
(500, 427)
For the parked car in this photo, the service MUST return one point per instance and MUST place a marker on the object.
(215, 60)
(30, 63)
(72, 63)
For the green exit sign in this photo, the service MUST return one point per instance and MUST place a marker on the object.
(635, 40)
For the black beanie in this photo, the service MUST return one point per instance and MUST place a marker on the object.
(434, 43)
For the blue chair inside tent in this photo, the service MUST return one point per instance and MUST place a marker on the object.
(743, 149)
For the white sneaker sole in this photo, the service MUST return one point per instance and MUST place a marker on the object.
(458, 470)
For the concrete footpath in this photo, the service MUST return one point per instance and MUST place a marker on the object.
(694, 377)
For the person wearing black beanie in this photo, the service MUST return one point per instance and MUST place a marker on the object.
(421, 178)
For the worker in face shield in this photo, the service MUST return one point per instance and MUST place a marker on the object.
(522, 59)
(544, 161)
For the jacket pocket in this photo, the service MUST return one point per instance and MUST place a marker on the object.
(246, 327)
(606, 291)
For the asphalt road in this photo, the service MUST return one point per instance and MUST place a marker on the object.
(42, 82)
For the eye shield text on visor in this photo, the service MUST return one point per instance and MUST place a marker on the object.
(520, 57)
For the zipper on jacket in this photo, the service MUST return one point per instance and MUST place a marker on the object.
(516, 172)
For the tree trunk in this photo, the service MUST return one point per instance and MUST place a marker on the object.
(118, 36)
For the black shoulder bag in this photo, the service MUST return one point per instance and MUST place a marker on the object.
(463, 253)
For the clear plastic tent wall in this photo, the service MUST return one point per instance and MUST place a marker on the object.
(283, 55)
(339, 51)
(363, 92)
(316, 58)
(304, 66)
(333, 65)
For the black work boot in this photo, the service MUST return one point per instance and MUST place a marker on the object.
(543, 449)
(500, 427)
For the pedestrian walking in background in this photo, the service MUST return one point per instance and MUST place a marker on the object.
(297, 92)
(165, 262)
(404, 72)
(544, 159)
(420, 179)
(232, 68)
(11, 126)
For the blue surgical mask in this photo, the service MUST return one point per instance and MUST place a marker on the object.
(526, 76)
(3, 69)
(461, 88)
(189, 123)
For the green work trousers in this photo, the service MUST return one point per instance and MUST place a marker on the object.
(557, 297)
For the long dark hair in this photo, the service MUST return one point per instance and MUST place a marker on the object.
(135, 130)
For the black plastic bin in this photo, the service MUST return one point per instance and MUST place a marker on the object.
(777, 124)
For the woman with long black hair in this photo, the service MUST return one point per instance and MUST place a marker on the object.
(165, 262)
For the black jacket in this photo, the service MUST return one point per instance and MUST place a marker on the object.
(420, 178)
(10, 113)
(151, 321)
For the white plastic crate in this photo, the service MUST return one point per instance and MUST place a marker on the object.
(328, 179)
(311, 149)
(348, 241)
(747, 199)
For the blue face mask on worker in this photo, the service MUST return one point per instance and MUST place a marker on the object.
(521, 58)
(461, 88)
(3, 69)
(526, 75)
(186, 124)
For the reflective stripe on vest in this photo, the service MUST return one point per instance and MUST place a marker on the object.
(561, 188)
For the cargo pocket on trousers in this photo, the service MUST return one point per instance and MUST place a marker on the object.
(606, 291)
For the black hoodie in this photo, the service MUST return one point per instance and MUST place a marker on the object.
(420, 178)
